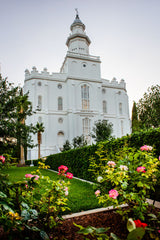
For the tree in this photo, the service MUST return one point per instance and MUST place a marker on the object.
(135, 122)
(66, 146)
(102, 130)
(39, 129)
(79, 141)
(14, 109)
(148, 108)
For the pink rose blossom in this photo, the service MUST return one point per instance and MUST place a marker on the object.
(159, 158)
(113, 193)
(97, 193)
(146, 148)
(111, 163)
(69, 175)
(2, 159)
(28, 175)
(141, 169)
(62, 169)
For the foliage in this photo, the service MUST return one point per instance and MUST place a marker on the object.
(148, 108)
(21, 205)
(79, 141)
(14, 109)
(78, 159)
(135, 122)
(102, 130)
(66, 146)
(125, 177)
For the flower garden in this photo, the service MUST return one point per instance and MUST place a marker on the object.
(32, 208)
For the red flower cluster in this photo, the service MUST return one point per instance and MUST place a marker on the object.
(140, 224)
(62, 170)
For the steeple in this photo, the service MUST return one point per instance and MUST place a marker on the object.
(78, 41)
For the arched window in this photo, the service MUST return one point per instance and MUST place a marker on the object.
(85, 97)
(39, 103)
(60, 103)
(86, 122)
(120, 109)
(60, 136)
(104, 103)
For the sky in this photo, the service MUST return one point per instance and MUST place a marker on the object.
(124, 33)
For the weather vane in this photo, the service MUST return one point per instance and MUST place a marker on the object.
(76, 9)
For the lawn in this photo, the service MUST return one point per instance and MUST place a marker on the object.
(81, 194)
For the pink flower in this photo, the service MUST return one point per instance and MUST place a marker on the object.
(69, 175)
(113, 193)
(141, 169)
(66, 191)
(28, 175)
(62, 169)
(97, 193)
(159, 158)
(2, 159)
(111, 163)
(158, 231)
(146, 148)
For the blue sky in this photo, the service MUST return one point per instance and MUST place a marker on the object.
(124, 33)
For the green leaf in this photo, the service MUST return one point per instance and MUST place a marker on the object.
(87, 230)
(102, 230)
(3, 195)
(44, 235)
(25, 215)
(136, 234)
(114, 236)
(131, 225)
(25, 205)
(152, 215)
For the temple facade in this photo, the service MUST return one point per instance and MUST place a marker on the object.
(70, 101)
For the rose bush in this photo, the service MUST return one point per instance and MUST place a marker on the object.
(126, 177)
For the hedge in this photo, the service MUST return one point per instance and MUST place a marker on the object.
(77, 160)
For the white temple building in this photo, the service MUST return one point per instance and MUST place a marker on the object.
(69, 102)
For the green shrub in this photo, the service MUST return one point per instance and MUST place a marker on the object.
(78, 159)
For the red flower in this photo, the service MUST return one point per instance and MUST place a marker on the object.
(69, 175)
(62, 169)
(140, 224)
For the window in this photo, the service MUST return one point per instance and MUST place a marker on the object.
(40, 119)
(104, 106)
(60, 136)
(60, 120)
(39, 103)
(59, 86)
(39, 83)
(60, 103)
(86, 129)
(103, 90)
(122, 127)
(120, 109)
(85, 97)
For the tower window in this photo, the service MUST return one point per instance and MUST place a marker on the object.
(59, 86)
(60, 103)
(85, 97)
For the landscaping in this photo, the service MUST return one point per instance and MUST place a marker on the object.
(33, 199)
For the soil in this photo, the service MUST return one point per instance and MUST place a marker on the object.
(66, 230)
(111, 219)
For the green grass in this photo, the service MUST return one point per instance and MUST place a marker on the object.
(81, 194)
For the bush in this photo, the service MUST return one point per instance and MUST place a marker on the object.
(78, 159)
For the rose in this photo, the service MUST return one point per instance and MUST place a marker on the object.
(146, 148)
(123, 167)
(111, 163)
(140, 169)
(28, 175)
(140, 224)
(97, 193)
(66, 191)
(62, 169)
(2, 159)
(69, 175)
(113, 193)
